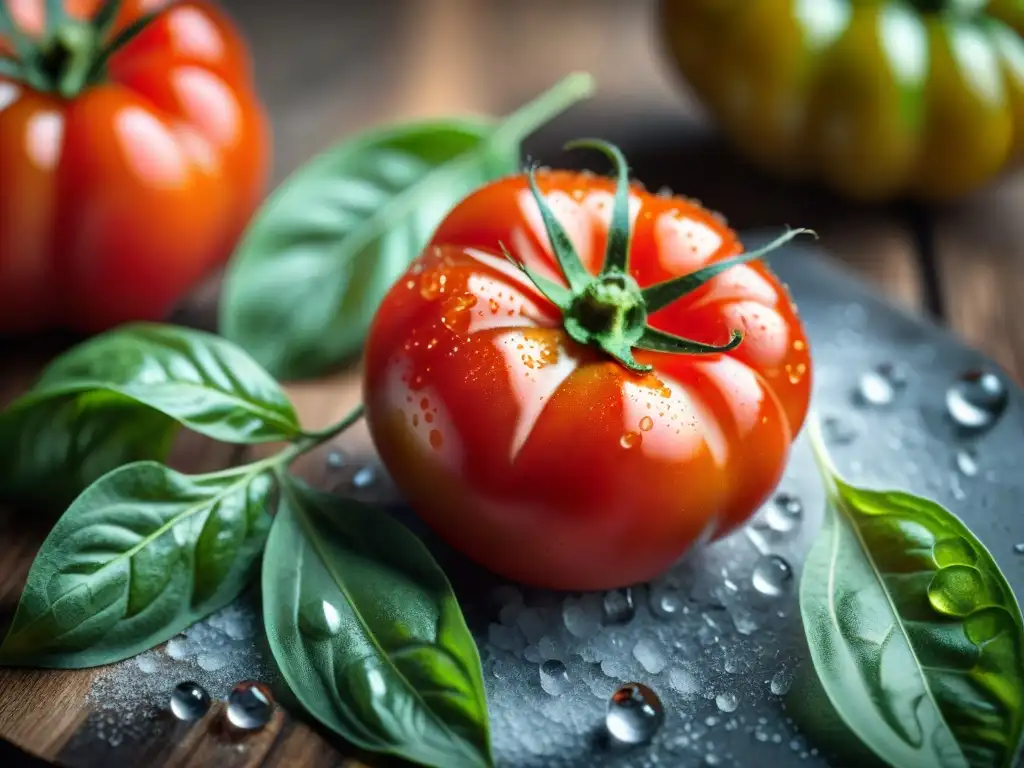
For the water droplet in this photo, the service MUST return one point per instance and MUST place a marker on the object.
(711, 759)
(189, 701)
(957, 590)
(335, 460)
(781, 682)
(617, 606)
(634, 714)
(431, 284)
(784, 513)
(554, 678)
(772, 575)
(364, 478)
(976, 400)
(874, 389)
(647, 652)
(250, 705)
(967, 462)
(436, 439)
(319, 619)
(646, 424)
(631, 440)
(837, 431)
(666, 601)
(1019, 548)
(727, 701)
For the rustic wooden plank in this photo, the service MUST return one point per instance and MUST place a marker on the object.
(979, 255)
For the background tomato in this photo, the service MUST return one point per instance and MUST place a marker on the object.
(545, 459)
(117, 195)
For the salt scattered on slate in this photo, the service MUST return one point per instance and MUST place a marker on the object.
(216, 653)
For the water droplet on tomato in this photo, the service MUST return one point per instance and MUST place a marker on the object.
(455, 315)
(494, 305)
(436, 439)
(431, 284)
(646, 424)
(799, 345)
(631, 440)
(634, 714)
(977, 400)
(428, 417)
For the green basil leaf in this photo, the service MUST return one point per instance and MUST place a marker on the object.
(368, 634)
(317, 260)
(915, 634)
(51, 453)
(201, 380)
(140, 555)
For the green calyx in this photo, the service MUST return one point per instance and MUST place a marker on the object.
(71, 55)
(610, 310)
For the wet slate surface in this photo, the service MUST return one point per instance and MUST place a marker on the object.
(727, 639)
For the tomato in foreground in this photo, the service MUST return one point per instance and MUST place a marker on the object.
(575, 385)
(133, 150)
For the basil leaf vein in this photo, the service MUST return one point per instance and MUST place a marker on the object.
(142, 554)
(914, 632)
(368, 634)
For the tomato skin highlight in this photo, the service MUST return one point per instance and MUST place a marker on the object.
(116, 202)
(545, 460)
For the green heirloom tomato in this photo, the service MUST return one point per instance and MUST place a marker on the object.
(877, 98)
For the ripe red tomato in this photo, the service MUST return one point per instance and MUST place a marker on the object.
(548, 460)
(119, 194)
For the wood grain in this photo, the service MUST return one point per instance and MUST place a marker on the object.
(329, 69)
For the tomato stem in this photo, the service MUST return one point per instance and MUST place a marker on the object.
(610, 310)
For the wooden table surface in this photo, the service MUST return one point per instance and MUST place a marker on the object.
(327, 69)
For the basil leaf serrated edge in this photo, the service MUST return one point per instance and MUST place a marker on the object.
(914, 632)
(312, 268)
(201, 380)
(141, 555)
(368, 634)
(50, 453)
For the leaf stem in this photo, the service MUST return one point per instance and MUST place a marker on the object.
(528, 118)
(826, 467)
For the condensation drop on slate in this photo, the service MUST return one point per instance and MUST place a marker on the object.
(838, 431)
(781, 682)
(727, 701)
(618, 606)
(335, 460)
(1019, 548)
(634, 714)
(189, 701)
(874, 389)
(364, 478)
(976, 400)
(250, 705)
(554, 678)
(967, 462)
(784, 513)
(772, 575)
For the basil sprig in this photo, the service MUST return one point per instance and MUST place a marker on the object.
(915, 634)
(319, 257)
(144, 551)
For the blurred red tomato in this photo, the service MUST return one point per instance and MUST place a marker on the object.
(127, 173)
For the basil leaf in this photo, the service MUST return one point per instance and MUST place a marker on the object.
(317, 260)
(140, 555)
(199, 379)
(367, 632)
(914, 632)
(51, 453)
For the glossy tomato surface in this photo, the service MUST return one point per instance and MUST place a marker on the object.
(547, 461)
(115, 202)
